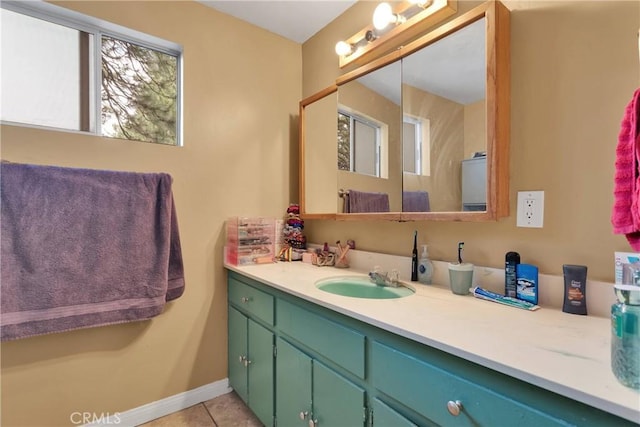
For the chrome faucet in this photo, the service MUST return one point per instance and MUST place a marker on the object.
(382, 278)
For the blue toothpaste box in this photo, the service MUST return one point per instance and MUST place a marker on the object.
(527, 283)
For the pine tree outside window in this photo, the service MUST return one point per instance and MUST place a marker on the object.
(61, 70)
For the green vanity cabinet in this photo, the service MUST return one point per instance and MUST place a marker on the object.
(445, 398)
(339, 344)
(293, 386)
(308, 393)
(238, 334)
(251, 350)
(384, 416)
(297, 363)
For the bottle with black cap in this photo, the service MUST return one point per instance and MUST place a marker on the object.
(512, 259)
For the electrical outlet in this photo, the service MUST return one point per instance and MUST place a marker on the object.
(530, 209)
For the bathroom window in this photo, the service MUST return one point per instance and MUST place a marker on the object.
(64, 70)
(359, 144)
(416, 145)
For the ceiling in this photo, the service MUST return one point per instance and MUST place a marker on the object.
(295, 20)
(452, 68)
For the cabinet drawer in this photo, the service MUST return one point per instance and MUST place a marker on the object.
(427, 389)
(251, 300)
(341, 345)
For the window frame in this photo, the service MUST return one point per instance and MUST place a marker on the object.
(417, 143)
(377, 128)
(98, 27)
(422, 141)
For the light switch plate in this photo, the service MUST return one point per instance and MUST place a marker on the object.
(530, 209)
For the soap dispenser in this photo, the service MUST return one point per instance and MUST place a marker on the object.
(425, 267)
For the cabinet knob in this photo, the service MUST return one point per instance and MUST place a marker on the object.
(313, 423)
(245, 299)
(247, 362)
(454, 407)
(303, 415)
(241, 358)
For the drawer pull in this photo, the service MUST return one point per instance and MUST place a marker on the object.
(245, 299)
(454, 407)
(303, 415)
(313, 423)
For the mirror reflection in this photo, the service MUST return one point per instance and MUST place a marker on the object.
(444, 124)
(412, 135)
(319, 133)
(369, 144)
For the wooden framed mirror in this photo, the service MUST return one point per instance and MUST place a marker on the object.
(419, 134)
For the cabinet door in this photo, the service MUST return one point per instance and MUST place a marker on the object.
(336, 400)
(430, 390)
(384, 416)
(293, 386)
(237, 352)
(260, 372)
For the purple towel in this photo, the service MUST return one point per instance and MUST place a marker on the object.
(415, 201)
(361, 202)
(84, 248)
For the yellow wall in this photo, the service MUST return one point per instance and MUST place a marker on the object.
(475, 128)
(446, 148)
(574, 67)
(241, 93)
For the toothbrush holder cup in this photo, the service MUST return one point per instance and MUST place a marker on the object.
(460, 278)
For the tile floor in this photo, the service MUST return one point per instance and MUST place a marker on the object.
(227, 410)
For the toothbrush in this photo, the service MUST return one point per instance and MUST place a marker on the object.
(460, 245)
(414, 258)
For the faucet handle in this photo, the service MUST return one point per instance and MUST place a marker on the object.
(394, 276)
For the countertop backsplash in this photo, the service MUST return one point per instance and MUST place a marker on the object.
(600, 295)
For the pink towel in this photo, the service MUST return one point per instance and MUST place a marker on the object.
(625, 216)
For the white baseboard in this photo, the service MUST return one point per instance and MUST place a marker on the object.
(151, 411)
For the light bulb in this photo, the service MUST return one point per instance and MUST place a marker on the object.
(343, 48)
(382, 16)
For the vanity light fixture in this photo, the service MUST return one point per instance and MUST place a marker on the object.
(409, 18)
(383, 16)
(344, 49)
(421, 3)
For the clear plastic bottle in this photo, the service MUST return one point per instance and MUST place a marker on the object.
(625, 336)
(425, 267)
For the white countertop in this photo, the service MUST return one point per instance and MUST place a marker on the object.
(564, 353)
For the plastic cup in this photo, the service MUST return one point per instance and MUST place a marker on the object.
(460, 278)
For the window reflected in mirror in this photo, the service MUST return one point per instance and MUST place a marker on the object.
(416, 134)
(359, 144)
(369, 147)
